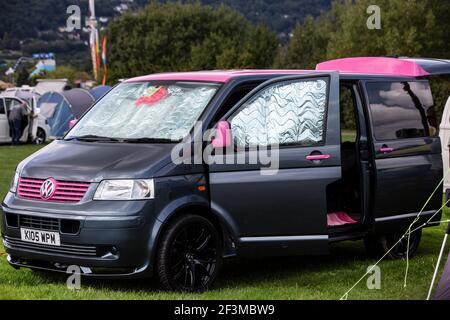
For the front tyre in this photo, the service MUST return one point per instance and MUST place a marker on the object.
(190, 254)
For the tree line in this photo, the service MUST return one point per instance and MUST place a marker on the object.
(182, 37)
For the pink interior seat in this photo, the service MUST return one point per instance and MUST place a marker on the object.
(337, 219)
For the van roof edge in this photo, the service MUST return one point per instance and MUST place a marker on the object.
(375, 65)
(390, 66)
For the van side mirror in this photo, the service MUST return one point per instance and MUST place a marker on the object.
(72, 123)
(222, 135)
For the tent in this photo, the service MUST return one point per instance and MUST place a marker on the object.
(99, 91)
(443, 289)
(61, 107)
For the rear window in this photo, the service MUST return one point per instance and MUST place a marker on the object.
(401, 110)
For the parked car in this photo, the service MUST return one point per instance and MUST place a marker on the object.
(36, 129)
(114, 197)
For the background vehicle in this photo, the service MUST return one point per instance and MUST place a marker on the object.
(110, 197)
(36, 130)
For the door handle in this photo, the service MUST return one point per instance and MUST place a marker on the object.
(386, 149)
(315, 157)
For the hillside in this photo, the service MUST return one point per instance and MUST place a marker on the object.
(32, 26)
(279, 15)
(23, 19)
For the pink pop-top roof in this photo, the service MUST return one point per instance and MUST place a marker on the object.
(214, 76)
(359, 65)
(374, 65)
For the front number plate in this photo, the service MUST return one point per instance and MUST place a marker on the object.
(42, 237)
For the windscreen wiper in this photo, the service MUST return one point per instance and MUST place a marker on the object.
(94, 138)
(149, 140)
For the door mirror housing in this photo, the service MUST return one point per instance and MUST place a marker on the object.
(222, 135)
(72, 123)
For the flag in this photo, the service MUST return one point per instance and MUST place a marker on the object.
(104, 60)
(97, 50)
(91, 8)
(93, 53)
(104, 51)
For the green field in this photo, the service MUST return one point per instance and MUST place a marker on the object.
(327, 277)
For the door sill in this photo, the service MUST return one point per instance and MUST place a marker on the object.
(343, 236)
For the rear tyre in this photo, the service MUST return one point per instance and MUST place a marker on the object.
(190, 255)
(379, 246)
(40, 136)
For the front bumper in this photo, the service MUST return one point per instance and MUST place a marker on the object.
(101, 246)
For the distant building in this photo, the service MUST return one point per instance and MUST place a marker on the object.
(44, 65)
(5, 85)
(46, 85)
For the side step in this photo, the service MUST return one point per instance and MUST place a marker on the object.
(345, 237)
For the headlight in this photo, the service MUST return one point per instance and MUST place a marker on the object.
(14, 182)
(125, 190)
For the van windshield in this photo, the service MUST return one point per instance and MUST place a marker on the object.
(146, 111)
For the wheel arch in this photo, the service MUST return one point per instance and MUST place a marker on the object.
(198, 206)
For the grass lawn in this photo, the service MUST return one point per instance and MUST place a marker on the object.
(327, 277)
(348, 135)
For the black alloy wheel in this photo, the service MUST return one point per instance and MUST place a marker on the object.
(190, 254)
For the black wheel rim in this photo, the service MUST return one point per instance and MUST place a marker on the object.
(193, 257)
(40, 137)
(401, 250)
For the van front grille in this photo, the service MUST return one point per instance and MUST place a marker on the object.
(65, 191)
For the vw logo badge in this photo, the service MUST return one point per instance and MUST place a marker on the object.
(48, 189)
